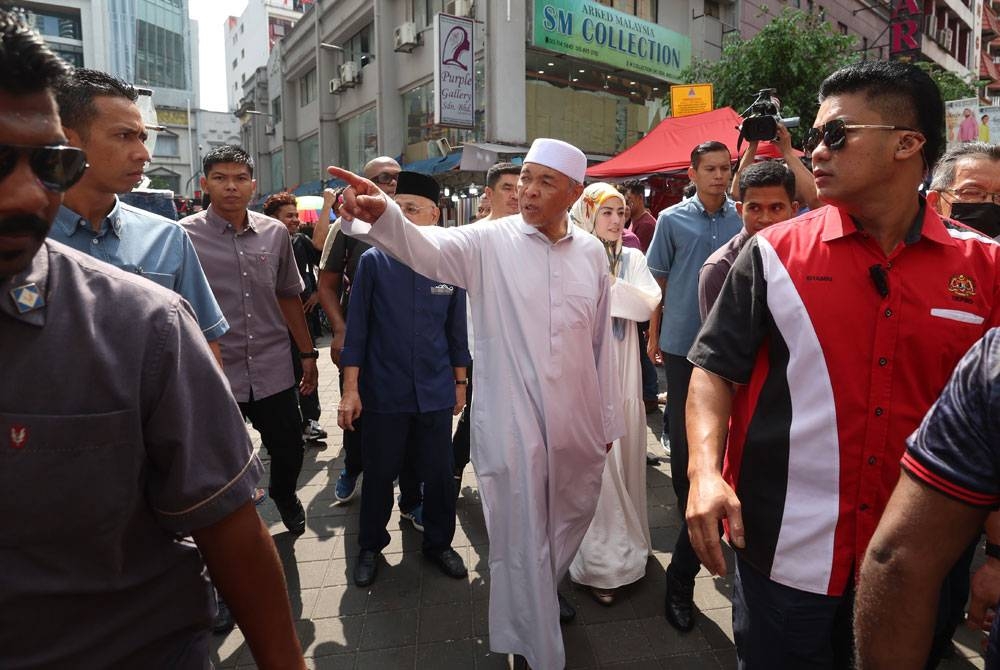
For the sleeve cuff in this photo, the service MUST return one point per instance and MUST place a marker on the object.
(921, 472)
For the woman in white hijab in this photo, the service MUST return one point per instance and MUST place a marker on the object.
(617, 544)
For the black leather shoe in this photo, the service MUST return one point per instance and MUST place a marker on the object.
(566, 611)
(680, 603)
(224, 621)
(366, 568)
(450, 563)
(292, 515)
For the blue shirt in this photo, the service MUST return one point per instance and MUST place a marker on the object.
(685, 236)
(406, 332)
(151, 246)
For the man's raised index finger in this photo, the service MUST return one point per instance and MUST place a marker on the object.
(351, 178)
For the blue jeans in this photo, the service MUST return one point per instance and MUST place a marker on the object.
(778, 627)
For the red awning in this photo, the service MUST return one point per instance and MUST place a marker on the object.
(667, 148)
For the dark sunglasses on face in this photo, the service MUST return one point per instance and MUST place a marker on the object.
(56, 167)
(834, 134)
(384, 178)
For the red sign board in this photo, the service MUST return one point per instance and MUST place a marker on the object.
(904, 29)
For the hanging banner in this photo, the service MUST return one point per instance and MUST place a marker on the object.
(454, 74)
(905, 34)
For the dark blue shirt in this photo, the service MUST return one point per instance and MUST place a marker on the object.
(956, 450)
(406, 332)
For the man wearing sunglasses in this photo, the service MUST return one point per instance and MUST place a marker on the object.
(119, 436)
(966, 186)
(100, 116)
(830, 339)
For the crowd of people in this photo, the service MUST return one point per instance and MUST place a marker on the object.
(826, 337)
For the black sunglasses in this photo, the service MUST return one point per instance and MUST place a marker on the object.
(56, 167)
(385, 178)
(834, 134)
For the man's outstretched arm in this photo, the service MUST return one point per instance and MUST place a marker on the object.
(917, 542)
(245, 568)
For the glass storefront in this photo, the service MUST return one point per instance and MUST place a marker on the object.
(358, 140)
(309, 159)
(418, 106)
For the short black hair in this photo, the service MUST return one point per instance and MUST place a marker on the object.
(75, 95)
(767, 173)
(27, 65)
(228, 153)
(707, 148)
(500, 169)
(902, 93)
(635, 186)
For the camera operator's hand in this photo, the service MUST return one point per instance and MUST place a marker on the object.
(746, 160)
(784, 141)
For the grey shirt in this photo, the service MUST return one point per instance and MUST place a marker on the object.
(248, 270)
(118, 436)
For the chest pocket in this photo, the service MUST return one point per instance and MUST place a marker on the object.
(263, 268)
(67, 479)
(437, 298)
(581, 304)
(164, 279)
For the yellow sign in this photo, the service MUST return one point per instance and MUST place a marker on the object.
(171, 117)
(688, 99)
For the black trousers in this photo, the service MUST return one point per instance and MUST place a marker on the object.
(684, 563)
(461, 442)
(309, 404)
(279, 423)
(423, 439)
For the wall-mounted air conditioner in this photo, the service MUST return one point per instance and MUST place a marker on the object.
(269, 129)
(405, 37)
(350, 74)
(335, 85)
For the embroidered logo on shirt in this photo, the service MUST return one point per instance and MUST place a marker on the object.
(962, 286)
(27, 298)
(18, 436)
(442, 289)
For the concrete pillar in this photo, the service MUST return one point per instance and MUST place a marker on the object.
(506, 25)
(391, 121)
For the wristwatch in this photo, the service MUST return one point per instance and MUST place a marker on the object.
(462, 382)
(309, 354)
(992, 550)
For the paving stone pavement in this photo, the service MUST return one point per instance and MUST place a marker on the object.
(414, 617)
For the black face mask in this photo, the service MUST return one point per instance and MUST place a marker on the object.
(983, 216)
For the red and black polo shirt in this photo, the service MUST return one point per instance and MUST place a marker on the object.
(839, 351)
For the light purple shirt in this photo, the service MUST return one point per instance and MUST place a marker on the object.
(248, 271)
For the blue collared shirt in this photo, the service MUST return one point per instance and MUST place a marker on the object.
(685, 236)
(148, 245)
(406, 332)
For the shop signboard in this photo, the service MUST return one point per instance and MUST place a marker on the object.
(905, 34)
(590, 31)
(688, 99)
(454, 74)
(961, 121)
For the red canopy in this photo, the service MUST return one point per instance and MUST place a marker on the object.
(668, 146)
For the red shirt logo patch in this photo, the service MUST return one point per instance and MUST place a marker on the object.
(18, 436)
(962, 286)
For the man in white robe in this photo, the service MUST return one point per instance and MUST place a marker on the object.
(548, 403)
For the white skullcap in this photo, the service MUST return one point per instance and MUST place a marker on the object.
(560, 156)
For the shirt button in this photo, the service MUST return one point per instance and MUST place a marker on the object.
(95, 241)
(247, 294)
(244, 274)
(883, 361)
(241, 253)
(250, 336)
(249, 315)
(878, 411)
(863, 507)
(872, 460)
(888, 313)
(249, 358)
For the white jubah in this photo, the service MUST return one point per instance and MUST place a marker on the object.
(617, 544)
(547, 401)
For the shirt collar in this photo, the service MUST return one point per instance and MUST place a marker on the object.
(727, 205)
(36, 274)
(220, 224)
(531, 230)
(70, 221)
(927, 224)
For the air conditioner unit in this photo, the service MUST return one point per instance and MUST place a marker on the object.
(335, 85)
(269, 129)
(405, 37)
(463, 7)
(444, 146)
(350, 74)
(945, 36)
(930, 25)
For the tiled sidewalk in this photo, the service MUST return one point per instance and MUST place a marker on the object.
(414, 617)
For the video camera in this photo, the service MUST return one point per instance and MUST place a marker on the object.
(760, 120)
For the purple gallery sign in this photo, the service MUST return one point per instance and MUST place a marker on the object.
(454, 73)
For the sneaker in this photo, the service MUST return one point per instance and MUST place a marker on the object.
(415, 516)
(313, 431)
(665, 443)
(347, 487)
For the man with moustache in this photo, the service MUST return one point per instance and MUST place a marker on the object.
(547, 401)
(100, 116)
(832, 336)
(140, 445)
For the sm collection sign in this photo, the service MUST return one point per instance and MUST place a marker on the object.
(585, 29)
(454, 73)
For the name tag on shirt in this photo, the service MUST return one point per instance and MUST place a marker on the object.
(442, 289)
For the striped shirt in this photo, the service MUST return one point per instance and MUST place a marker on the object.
(839, 351)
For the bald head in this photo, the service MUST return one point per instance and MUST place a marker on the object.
(383, 171)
